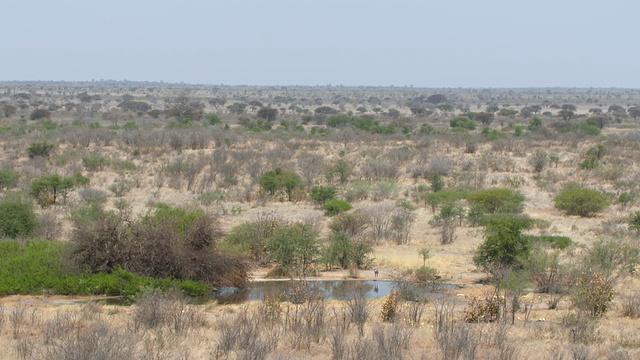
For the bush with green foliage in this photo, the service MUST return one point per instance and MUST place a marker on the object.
(593, 294)
(44, 266)
(498, 200)
(462, 123)
(8, 178)
(39, 149)
(345, 252)
(294, 248)
(322, 194)
(504, 244)
(38, 114)
(554, 242)
(436, 198)
(584, 202)
(634, 222)
(17, 218)
(94, 163)
(280, 179)
(335, 207)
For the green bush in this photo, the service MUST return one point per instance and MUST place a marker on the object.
(462, 123)
(334, 207)
(94, 163)
(575, 200)
(280, 179)
(555, 242)
(498, 200)
(39, 266)
(8, 178)
(634, 222)
(322, 194)
(17, 218)
(39, 149)
(504, 243)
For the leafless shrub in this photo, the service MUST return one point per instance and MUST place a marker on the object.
(362, 349)
(24, 349)
(377, 169)
(63, 323)
(381, 216)
(242, 334)
(583, 328)
(18, 319)
(455, 340)
(49, 227)
(580, 352)
(440, 165)
(92, 194)
(198, 140)
(2, 319)
(631, 306)
(305, 322)
(100, 341)
(120, 188)
(338, 343)
(413, 311)
(177, 140)
(392, 341)
(311, 167)
(358, 309)
(401, 222)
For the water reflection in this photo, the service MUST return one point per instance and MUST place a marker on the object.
(327, 289)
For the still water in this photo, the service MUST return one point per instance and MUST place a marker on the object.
(327, 289)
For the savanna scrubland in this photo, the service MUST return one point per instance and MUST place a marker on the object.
(524, 198)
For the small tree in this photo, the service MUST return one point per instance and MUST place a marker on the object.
(38, 114)
(576, 200)
(267, 113)
(47, 189)
(280, 179)
(447, 220)
(504, 244)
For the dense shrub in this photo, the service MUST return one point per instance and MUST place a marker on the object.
(498, 200)
(576, 200)
(462, 123)
(16, 218)
(8, 178)
(39, 149)
(322, 194)
(504, 243)
(168, 242)
(280, 179)
(39, 266)
(38, 114)
(334, 207)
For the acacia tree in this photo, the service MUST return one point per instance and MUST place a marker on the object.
(48, 189)
(280, 179)
(267, 113)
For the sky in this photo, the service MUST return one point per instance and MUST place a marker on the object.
(420, 43)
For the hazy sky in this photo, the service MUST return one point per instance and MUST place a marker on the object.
(445, 43)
